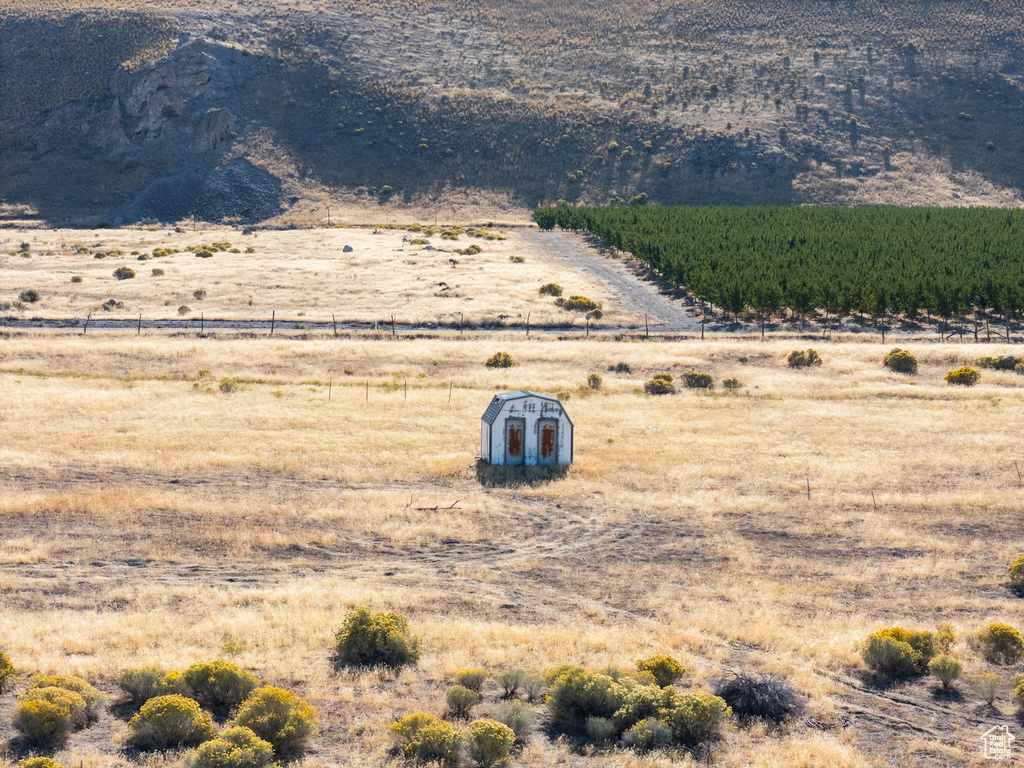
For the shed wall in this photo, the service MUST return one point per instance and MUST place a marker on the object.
(531, 410)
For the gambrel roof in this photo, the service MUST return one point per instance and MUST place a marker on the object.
(500, 399)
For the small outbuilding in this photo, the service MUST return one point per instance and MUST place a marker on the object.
(523, 428)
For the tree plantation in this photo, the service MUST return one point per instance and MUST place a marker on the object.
(942, 261)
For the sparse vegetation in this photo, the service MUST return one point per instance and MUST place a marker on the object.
(30, 296)
(767, 696)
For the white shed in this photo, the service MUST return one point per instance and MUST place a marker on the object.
(525, 428)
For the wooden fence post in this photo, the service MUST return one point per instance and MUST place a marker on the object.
(139, 331)
(647, 331)
(273, 317)
(86, 329)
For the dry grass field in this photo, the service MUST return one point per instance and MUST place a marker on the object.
(299, 274)
(149, 517)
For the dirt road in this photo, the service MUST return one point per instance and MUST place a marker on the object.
(637, 295)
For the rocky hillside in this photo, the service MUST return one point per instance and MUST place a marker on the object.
(250, 111)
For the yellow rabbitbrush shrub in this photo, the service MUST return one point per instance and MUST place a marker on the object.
(63, 698)
(472, 678)
(375, 639)
(219, 684)
(234, 748)
(900, 361)
(39, 762)
(42, 723)
(1015, 571)
(141, 684)
(897, 652)
(697, 717)
(962, 377)
(946, 668)
(426, 739)
(8, 674)
(1001, 644)
(279, 717)
(666, 670)
(94, 698)
(169, 722)
(489, 743)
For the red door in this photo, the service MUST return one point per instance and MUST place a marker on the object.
(514, 429)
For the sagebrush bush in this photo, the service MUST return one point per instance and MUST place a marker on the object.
(695, 380)
(800, 359)
(8, 674)
(533, 687)
(472, 678)
(638, 703)
(579, 304)
(945, 636)
(39, 762)
(767, 696)
(987, 685)
(63, 698)
(594, 381)
(1018, 695)
(510, 681)
(666, 670)
(460, 700)
(697, 717)
(76, 279)
(1001, 644)
(962, 377)
(620, 368)
(219, 685)
(30, 296)
(426, 739)
(732, 384)
(157, 272)
(43, 723)
(124, 273)
(489, 743)
(234, 748)
(280, 717)
(1015, 571)
(184, 310)
(517, 716)
(170, 722)
(900, 361)
(599, 730)
(375, 639)
(94, 698)
(646, 735)
(897, 652)
(501, 360)
(946, 668)
(140, 684)
(550, 289)
(1001, 363)
(227, 386)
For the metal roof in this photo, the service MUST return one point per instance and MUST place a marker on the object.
(500, 399)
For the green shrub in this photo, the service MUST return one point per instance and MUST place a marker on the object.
(227, 386)
(962, 377)
(183, 310)
(946, 668)
(141, 684)
(371, 639)
(280, 717)
(578, 304)
(1001, 644)
(900, 361)
(144, 257)
(234, 748)
(638, 703)
(501, 360)
(594, 381)
(510, 682)
(8, 674)
(1001, 363)
(659, 386)
(694, 380)
(94, 699)
(697, 717)
(664, 377)
(199, 295)
(517, 716)
(169, 722)
(219, 685)
(732, 384)
(460, 700)
(599, 730)
(419, 241)
(1018, 695)
(204, 253)
(425, 739)
(124, 273)
(1015, 572)
(577, 694)
(31, 296)
(945, 636)
(896, 652)
(39, 762)
(646, 735)
(75, 279)
(620, 368)
(157, 272)
(472, 678)
(987, 685)
(800, 359)
(63, 698)
(550, 289)
(666, 670)
(489, 743)
(43, 723)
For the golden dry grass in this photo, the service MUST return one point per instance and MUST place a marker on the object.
(298, 274)
(148, 518)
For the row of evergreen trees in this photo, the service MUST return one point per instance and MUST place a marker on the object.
(943, 261)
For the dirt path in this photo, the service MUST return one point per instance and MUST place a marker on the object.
(637, 295)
